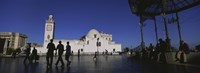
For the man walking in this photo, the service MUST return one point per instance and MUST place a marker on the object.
(60, 48)
(68, 53)
(27, 51)
(51, 48)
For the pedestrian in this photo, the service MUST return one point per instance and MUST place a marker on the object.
(68, 53)
(78, 53)
(156, 52)
(60, 48)
(34, 55)
(186, 51)
(95, 56)
(50, 52)
(14, 53)
(144, 54)
(183, 50)
(163, 48)
(179, 52)
(27, 51)
(151, 47)
(106, 52)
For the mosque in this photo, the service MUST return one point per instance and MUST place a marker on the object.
(92, 42)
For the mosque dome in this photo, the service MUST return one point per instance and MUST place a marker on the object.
(93, 33)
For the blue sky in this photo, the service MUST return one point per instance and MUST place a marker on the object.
(74, 18)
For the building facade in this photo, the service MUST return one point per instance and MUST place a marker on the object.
(92, 42)
(15, 40)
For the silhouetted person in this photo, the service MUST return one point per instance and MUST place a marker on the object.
(156, 52)
(95, 56)
(34, 54)
(50, 52)
(178, 54)
(151, 51)
(27, 51)
(14, 53)
(186, 50)
(163, 48)
(78, 53)
(60, 48)
(106, 52)
(183, 50)
(68, 53)
(144, 54)
(131, 51)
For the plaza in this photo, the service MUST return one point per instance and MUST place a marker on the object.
(103, 64)
(105, 33)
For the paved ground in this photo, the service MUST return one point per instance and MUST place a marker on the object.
(86, 64)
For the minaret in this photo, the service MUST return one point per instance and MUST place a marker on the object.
(49, 30)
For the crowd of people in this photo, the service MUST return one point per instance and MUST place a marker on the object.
(50, 53)
(158, 53)
(31, 57)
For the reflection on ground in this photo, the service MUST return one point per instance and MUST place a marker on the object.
(86, 64)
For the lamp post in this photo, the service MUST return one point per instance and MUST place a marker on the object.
(98, 45)
(163, 14)
(156, 30)
(142, 39)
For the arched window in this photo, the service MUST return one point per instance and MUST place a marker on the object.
(95, 35)
(98, 44)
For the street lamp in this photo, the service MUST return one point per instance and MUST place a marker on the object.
(98, 44)
(141, 30)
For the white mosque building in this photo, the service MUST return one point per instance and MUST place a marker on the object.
(92, 42)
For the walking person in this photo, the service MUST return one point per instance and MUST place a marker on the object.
(68, 53)
(34, 55)
(27, 51)
(60, 48)
(51, 48)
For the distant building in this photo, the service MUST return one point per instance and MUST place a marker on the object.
(14, 40)
(92, 42)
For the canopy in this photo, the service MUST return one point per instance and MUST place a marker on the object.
(156, 7)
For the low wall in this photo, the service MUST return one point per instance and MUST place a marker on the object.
(192, 58)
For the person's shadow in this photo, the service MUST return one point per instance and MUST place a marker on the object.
(33, 67)
(59, 71)
(26, 68)
(30, 67)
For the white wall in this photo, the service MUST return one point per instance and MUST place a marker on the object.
(87, 48)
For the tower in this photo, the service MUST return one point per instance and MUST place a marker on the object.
(49, 30)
